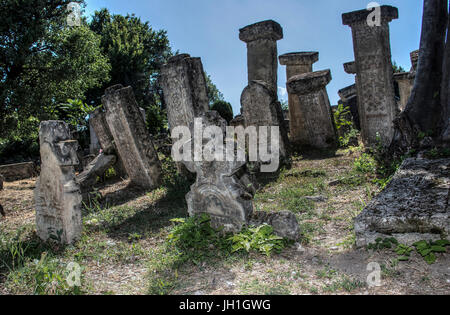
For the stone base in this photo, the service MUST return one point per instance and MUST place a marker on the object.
(413, 207)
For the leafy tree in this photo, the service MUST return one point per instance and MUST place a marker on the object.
(224, 109)
(136, 53)
(214, 95)
(43, 62)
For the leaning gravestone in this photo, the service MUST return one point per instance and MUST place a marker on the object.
(57, 194)
(131, 137)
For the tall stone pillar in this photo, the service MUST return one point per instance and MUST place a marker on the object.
(57, 194)
(405, 81)
(375, 85)
(184, 85)
(318, 129)
(296, 64)
(131, 137)
(262, 52)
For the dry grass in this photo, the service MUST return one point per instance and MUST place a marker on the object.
(123, 246)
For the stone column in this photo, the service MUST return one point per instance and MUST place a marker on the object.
(296, 64)
(131, 137)
(376, 96)
(405, 88)
(184, 85)
(262, 52)
(94, 147)
(318, 129)
(57, 194)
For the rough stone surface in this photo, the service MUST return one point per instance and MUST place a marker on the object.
(262, 51)
(317, 123)
(284, 223)
(94, 146)
(260, 107)
(131, 137)
(13, 172)
(97, 168)
(101, 129)
(296, 64)
(2, 179)
(414, 59)
(184, 85)
(405, 85)
(349, 98)
(57, 194)
(221, 189)
(413, 207)
(375, 85)
(350, 67)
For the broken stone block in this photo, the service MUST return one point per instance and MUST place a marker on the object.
(98, 124)
(19, 171)
(414, 60)
(350, 67)
(131, 137)
(260, 107)
(374, 72)
(96, 168)
(262, 51)
(296, 64)
(221, 189)
(57, 194)
(284, 223)
(94, 146)
(318, 125)
(413, 207)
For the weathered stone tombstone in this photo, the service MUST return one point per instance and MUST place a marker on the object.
(131, 137)
(18, 171)
(318, 129)
(184, 85)
(405, 81)
(262, 51)
(349, 98)
(296, 64)
(376, 97)
(101, 129)
(57, 194)
(413, 207)
(94, 146)
(2, 179)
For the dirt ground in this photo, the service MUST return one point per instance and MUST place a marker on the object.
(122, 248)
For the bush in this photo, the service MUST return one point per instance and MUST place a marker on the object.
(224, 109)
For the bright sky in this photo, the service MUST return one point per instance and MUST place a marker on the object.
(210, 29)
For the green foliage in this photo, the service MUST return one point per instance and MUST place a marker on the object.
(136, 52)
(340, 117)
(214, 95)
(194, 238)
(76, 112)
(260, 239)
(224, 109)
(284, 105)
(365, 164)
(380, 244)
(426, 249)
(397, 68)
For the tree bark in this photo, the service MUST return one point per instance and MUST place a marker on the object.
(424, 110)
(445, 92)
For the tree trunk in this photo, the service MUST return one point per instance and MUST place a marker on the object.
(445, 92)
(424, 110)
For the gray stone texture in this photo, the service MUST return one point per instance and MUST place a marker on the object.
(317, 123)
(405, 85)
(262, 51)
(184, 85)
(96, 168)
(98, 124)
(260, 107)
(19, 171)
(57, 194)
(349, 98)
(222, 188)
(376, 96)
(284, 223)
(131, 137)
(296, 64)
(413, 207)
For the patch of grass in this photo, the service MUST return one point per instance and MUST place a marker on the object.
(344, 284)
